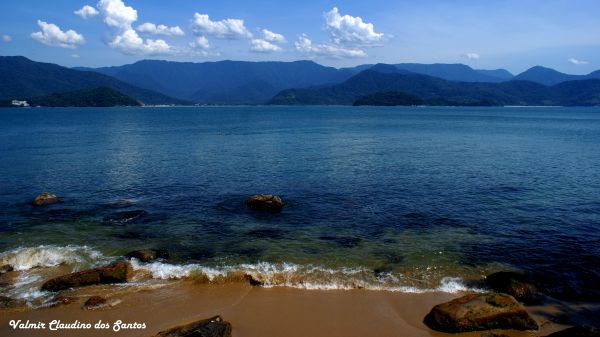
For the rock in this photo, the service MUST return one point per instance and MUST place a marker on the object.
(264, 203)
(577, 331)
(114, 273)
(212, 327)
(253, 281)
(515, 284)
(94, 302)
(6, 268)
(125, 216)
(476, 312)
(147, 255)
(44, 198)
(10, 303)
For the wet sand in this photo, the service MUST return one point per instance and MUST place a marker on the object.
(256, 311)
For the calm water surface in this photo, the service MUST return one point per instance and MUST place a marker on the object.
(394, 196)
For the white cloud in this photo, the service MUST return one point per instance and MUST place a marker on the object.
(52, 35)
(351, 30)
(151, 28)
(232, 29)
(6, 38)
(129, 42)
(577, 62)
(75, 56)
(200, 42)
(272, 37)
(86, 12)
(263, 46)
(117, 14)
(471, 56)
(305, 45)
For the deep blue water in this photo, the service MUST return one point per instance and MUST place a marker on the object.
(423, 192)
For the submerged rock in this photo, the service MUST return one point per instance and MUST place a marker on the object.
(264, 203)
(577, 331)
(476, 312)
(114, 273)
(515, 284)
(147, 255)
(212, 327)
(44, 198)
(95, 302)
(10, 303)
(125, 216)
(61, 300)
(6, 268)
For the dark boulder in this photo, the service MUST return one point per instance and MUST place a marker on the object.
(264, 203)
(114, 273)
(147, 255)
(44, 198)
(517, 285)
(577, 331)
(212, 327)
(94, 302)
(6, 268)
(476, 312)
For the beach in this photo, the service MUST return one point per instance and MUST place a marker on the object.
(257, 311)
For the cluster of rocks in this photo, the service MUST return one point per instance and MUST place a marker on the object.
(499, 309)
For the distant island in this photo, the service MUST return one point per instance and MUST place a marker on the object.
(151, 82)
(97, 97)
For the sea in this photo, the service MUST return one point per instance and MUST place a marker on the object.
(410, 199)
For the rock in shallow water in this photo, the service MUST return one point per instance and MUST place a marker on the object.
(44, 198)
(6, 268)
(212, 327)
(94, 302)
(9, 303)
(114, 273)
(515, 284)
(476, 312)
(147, 255)
(264, 203)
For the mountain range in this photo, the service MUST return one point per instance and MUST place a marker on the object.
(299, 82)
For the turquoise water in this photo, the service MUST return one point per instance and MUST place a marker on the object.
(395, 196)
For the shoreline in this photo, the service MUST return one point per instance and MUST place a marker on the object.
(258, 311)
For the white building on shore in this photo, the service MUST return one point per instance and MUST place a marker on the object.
(20, 103)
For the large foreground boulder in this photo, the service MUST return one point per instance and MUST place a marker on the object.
(44, 198)
(476, 312)
(115, 273)
(577, 331)
(212, 327)
(515, 284)
(264, 203)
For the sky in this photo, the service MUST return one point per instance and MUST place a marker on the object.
(484, 34)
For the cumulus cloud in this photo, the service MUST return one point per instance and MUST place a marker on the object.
(577, 62)
(272, 37)
(129, 42)
(86, 12)
(351, 30)
(120, 17)
(263, 46)
(201, 42)
(232, 29)
(471, 56)
(6, 38)
(117, 14)
(305, 46)
(150, 28)
(75, 56)
(52, 35)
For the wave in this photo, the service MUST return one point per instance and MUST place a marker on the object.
(34, 264)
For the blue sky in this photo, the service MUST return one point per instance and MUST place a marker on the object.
(510, 34)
